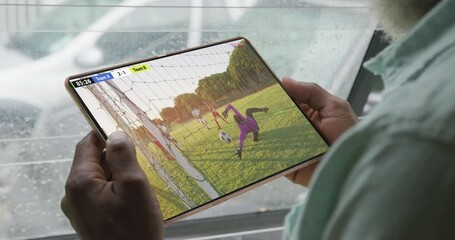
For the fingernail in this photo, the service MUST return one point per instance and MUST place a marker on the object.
(118, 135)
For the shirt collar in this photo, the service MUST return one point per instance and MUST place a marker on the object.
(405, 59)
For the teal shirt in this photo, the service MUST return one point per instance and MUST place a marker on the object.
(392, 176)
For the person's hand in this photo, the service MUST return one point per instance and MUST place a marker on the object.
(120, 206)
(225, 114)
(330, 114)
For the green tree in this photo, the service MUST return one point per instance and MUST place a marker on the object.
(157, 121)
(245, 72)
(214, 87)
(169, 114)
(185, 103)
(246, 68)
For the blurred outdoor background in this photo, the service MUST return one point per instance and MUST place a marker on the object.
(42, 42)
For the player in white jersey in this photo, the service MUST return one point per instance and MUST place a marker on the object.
(197, 114)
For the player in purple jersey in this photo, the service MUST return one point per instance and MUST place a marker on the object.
(246, 124)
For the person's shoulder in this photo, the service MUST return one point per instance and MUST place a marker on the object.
(403, 170)
(399, 184)
(423, 106)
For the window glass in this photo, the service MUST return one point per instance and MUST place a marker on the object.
(36, 44)
(43, 42)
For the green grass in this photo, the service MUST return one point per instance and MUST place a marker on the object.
(170, 203)
(286, 138)
(186, 183)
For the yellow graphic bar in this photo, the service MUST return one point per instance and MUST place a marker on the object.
(139, 68)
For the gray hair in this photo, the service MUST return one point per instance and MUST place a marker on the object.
(397, 17)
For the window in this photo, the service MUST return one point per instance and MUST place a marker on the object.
(43, 42)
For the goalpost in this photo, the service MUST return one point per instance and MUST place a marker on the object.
(170, 148)
(100, 93)
(133, 99)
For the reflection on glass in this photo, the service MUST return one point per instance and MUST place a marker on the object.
(39, 44)
(39, 125)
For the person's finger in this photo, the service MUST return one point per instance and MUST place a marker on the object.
(308, 93)
(311, 114)
(87, 154)
(105, 166)
(306, 109)
(121, 159)
(65, 206)
(303, 175)
(67, 210)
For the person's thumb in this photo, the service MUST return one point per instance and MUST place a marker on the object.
(307, 93)
(121, 159)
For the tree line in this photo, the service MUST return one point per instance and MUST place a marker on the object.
(245, 74)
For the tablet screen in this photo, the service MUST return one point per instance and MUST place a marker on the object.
(206, 122)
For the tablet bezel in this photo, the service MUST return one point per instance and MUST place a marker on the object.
(97, 128)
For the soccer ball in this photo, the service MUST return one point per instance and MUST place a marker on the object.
(225, 137)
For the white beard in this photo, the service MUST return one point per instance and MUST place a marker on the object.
(398, 16)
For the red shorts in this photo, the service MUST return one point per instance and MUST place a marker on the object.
(215, 114)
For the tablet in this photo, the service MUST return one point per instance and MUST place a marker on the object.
(208, 123)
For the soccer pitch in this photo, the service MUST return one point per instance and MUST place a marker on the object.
(285, 139)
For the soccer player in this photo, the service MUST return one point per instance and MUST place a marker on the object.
(246, 124)
(197, 114)
(215, 114)
(396, 183)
